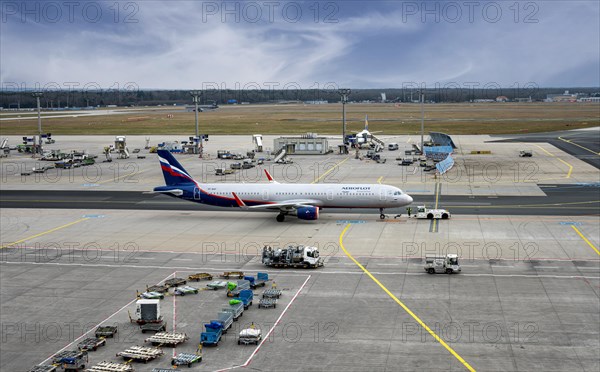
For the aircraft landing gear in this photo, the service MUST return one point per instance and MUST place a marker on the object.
(280, 217)
(381, 215)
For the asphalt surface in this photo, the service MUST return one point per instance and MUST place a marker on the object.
(562, 200)
(583, 144)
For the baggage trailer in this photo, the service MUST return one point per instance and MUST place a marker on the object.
(292, 256)
(175, 282)
(157, 288)
(442, 264)
(91, 343)
(106, 331)
(167, 338)
(186, 359)
(260, 280)
(111, 367)
(232, 274)
(246, 296)
(225, 318)
(141, 353)
(271, 293)
(154, 326)
(236, 309)
(216, 284)
(234, 288)
(74, 360)
(200, 276)
(250, 336)
(212, 335)
(266, 303)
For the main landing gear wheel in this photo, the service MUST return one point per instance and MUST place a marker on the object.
(381, 215)
(280, 217)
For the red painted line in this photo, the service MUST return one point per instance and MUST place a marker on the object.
(97, 325)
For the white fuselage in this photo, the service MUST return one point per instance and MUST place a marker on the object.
(321, 195)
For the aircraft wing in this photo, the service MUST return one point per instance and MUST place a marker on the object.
(285, 205)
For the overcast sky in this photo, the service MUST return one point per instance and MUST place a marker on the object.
(244, 44)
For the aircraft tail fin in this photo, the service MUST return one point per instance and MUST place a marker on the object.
(173, 172)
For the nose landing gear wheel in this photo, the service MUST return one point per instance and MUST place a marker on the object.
(280, 217)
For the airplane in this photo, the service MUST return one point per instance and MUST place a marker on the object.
(365, 137)
(301, 200)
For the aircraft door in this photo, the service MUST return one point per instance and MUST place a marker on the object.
(329, 194)
(382, 194)
(196, 193)
(265, 194)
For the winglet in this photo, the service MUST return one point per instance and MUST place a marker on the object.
(269, 177)
(239, 201)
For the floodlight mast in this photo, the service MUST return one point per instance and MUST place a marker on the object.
(37, 96)
(195, 95)
(422, 99)
(344, 93)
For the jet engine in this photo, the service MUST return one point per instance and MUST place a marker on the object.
(308, 213)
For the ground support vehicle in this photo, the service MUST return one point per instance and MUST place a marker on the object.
(141, 353)
(430, 214)
(272, 293)
(167, 338)
(186, 289)
(106, 331)
(200, 276)
(232, 274)
(235, 308)
(111, 367)
(212, 334)
(266, 303)
(442, 264)
(217, 284)
(250, 336)
(186, 359)
(175, 282)
(292, 256)
(91, 343)
(234, 288)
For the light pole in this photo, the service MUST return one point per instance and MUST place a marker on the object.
(195, 95)
(422, 120)
(344, 93)
(37, 96)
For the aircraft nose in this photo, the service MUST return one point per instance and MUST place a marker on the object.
(409, 199)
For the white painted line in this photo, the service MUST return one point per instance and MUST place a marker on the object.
(144, 258)
(588, 268)
(301, 273)
(182, 259)
(270, 331)
(97, 325)
(546, 267)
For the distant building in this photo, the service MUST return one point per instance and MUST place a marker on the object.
(319, 102)
(502, 99)
(589, 99)
(565, 97)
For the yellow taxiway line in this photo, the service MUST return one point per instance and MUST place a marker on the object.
(45, 232)
(415, 317)
(379, 180)
(562, 161)
(578, 145)
(330, 170)
(585, 239)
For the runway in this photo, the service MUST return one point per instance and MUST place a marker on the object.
(560, 200)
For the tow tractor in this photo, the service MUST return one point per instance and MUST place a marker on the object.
(442, 264)
(431, 214)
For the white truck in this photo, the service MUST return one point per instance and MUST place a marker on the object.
(442, 264)
(431, 214)
(292, 256)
